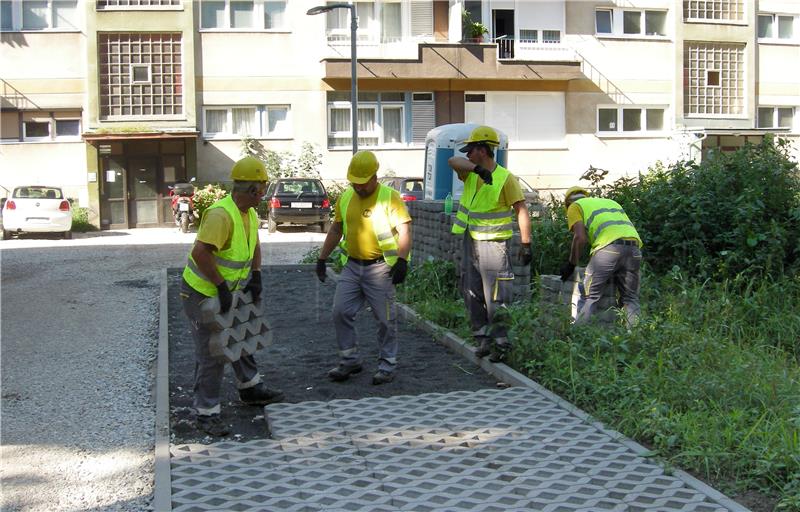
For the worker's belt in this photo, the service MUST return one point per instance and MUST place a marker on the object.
(365, 263)
(625, 242)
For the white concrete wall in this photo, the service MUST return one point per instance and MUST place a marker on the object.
(61, 164)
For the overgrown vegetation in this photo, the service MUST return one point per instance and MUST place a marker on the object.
(208, 195)
(80, 218)
(710, 378)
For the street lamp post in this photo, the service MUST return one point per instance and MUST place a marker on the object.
(353, 69)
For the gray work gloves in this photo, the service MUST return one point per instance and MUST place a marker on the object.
(321, 270)
(566, 270)
(484, 173)
(225, 297)
(254, 285)
(524, 256)
(399, 271)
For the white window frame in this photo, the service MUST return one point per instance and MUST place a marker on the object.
(775, 38)
(260, 122)
(618, 24)
(719, 78)
(48, 137)
(149, 74)
(259, 17)
(54, 128)
(394, 106)
(774, 125)
(17, 21)
(405, 106)
(643, 132)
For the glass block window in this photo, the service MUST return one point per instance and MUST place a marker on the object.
(716, 10)
(136, 4)
(141, 75)
(713, 79)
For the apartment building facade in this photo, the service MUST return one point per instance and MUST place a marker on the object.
(115, 100)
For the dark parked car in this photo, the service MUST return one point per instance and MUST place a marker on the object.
(410, 188)
(297, 201)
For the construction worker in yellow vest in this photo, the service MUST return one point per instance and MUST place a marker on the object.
(491, 199)
(615, 251)
(226, 257)
(375, 229)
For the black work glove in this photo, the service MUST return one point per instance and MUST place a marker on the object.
(254, 285)
(321, 270)
(399, 271)
(225, 297)
(566, 270)
(484, 173)
(524, 257)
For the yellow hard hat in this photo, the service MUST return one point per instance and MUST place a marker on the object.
(363, 166)
(249, 168)
(482, 135)
(576, 190)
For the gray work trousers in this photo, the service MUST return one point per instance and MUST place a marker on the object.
(622, 263)
(487, 284)
(357, 285)
(209, 370)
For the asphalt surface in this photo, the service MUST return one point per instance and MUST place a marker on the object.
(78, 331)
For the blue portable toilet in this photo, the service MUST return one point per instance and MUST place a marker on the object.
(443, 142)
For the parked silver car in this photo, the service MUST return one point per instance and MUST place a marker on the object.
(37, 209)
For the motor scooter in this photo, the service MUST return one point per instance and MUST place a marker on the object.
(182, 195)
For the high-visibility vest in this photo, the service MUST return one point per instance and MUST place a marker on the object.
(387, 240)
(233, 263)
(605, 222)
(480, 213)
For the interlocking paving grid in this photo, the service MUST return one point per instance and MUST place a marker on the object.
(489, 450)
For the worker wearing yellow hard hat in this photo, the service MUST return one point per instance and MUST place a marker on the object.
(226, 257)
(615, 251)
(374, 228)
(492, 198)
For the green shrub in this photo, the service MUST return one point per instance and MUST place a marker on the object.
(208, 195)
(550, 239)
(80, 220)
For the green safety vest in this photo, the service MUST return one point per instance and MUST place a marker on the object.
(387, 240)
(480, 212)
(605, 221)
(233, 263)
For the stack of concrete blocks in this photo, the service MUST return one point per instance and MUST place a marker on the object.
(242, 330)
(432, 240)
(568, 293)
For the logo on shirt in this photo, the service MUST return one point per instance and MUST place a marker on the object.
(366, 213)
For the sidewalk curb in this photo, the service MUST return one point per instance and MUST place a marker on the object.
(510, 376)
(162, 493)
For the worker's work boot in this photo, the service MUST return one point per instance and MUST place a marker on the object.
(500, 352)
(260, 395)
(484, 348)
(343, 372)
(211, 425)
(382, 377)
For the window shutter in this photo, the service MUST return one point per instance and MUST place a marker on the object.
(421, 18)
(423, 120)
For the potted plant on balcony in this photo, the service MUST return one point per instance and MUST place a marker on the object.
(473, 30)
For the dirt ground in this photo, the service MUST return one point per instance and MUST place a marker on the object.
(304, 349)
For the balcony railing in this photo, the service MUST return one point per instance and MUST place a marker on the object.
(526, 49)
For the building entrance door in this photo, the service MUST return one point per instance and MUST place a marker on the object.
(143, 204)
(114, 193)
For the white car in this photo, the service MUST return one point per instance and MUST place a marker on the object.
(37, 209)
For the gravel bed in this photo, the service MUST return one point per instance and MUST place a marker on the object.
(79, 331)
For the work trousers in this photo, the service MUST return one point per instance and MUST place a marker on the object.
(209, 370)
(487, 284)
(622, 263)
(359, 285)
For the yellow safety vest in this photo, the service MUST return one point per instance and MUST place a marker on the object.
(605, 222)
(387, 240)
(480, 213)
(233, 263)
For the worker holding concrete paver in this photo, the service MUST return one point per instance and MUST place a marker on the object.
(226, 257)
(484, 217)
(615, 249)
(375, 227)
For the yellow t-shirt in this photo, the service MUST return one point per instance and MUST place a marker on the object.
(510, 194)
(216, 227)
(362, 243)
(574, 214)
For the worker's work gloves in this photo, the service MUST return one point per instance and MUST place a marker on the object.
(254, 285)
(225, 297)
(484, 173)
(524, 256)
(566, 270)
(399, 271)
(321, 270)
